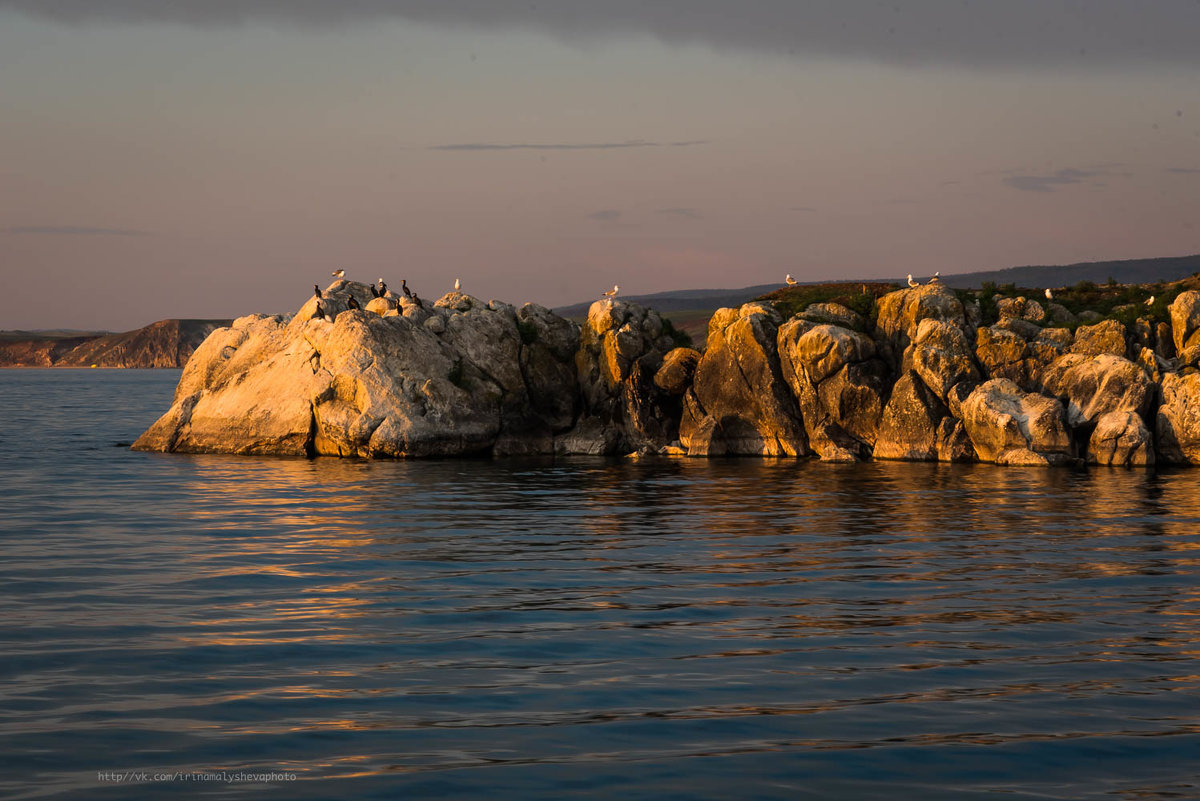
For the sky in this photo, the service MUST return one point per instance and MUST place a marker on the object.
(169, 158)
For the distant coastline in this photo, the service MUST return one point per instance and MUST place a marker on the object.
(166, 343)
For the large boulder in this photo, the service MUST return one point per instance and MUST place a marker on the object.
(1107, 336)
(909, 427)
(1021, 309)
(1185, 320)
(941, 355)
(838, 383)
(901, 313)
(1004, 353)
(739, 402)
(1178, 423)
(1009, 426)
(452, 378)
(1092, 386)
(1121, 438)
(834, 314)
(677, 371)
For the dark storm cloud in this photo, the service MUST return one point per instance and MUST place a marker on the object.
(563, 145)
(71, 230)
(959, 32)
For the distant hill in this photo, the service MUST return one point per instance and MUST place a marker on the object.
(1129, 271)
(166, 343)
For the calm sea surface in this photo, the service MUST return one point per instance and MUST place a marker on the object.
(179, 625)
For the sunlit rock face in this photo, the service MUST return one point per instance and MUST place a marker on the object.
(355, 382)
(1177, 426)
(739, 402)
(1010, 426)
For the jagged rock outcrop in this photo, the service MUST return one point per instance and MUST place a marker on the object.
(621, 348)
(401, 378)
(1009, 426)
(369, 385)
(739, 402)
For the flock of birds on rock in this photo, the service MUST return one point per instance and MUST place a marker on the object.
(378, 290)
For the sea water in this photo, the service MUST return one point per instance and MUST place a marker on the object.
(239, 627)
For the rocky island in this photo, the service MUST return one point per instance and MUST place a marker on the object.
(925, 373)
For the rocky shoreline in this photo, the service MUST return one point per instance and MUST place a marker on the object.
(920, 376)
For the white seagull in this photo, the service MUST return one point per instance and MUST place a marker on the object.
(911, 282)
(339, 273)
(789, 280)
(937, 278)
(457, 284)
(1150, 301)
(1049, 294)
(612, 293)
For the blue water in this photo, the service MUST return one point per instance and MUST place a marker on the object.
(585, 628)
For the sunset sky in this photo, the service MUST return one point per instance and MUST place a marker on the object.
(165, 158)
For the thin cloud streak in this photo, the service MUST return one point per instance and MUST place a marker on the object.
(1063, 177)
(71, 230)
(682, 213)
(1016, 33)
(564, 145)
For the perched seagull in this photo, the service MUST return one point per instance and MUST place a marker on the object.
(937, 278)
(317, 291)
(407, 292)
(1049, 294)
(1150, 301)
(339, 273)
(612, 293)
(789, 280)
(911, 282)
(457, 285)
(352, 303)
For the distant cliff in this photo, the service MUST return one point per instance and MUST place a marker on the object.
(166, 343)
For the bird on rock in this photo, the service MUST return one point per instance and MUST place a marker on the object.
(404, 286)
(457, 285)
(1049, 294)
(789, 280)
(612, 293)
(374, 291)
(352, 303)
(911, 282)
(382, 288)
(1150, 301)
(319, 313)
(339, 273)
(317, 291)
